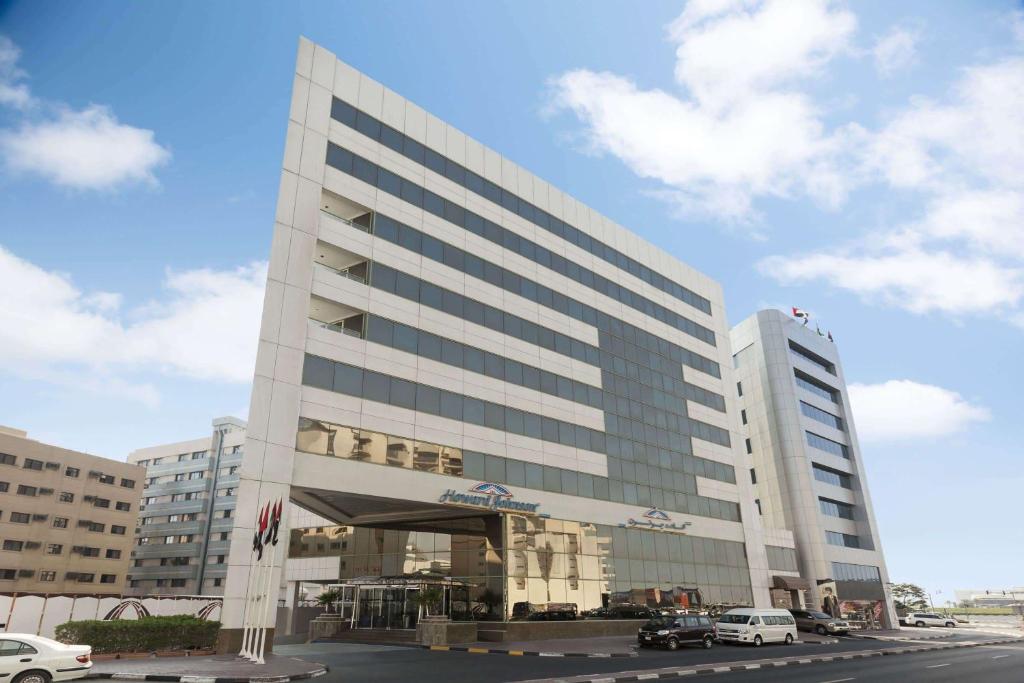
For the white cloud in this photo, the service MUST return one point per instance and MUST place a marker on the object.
(895, 51)
(904, 409)
(88, 149)
(81, 149)
(742, 128)
(205, 327)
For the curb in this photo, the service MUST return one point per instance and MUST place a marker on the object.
(170, 678)
(727, 668)
(526, 653)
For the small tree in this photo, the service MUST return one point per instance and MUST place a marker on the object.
(428, 598)
(328, 598)
(490, 598)
(909, 596)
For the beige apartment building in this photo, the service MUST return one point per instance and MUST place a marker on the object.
(66, 518)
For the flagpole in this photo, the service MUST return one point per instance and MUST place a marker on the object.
(244, 652)
(269, 594)
(252, 594)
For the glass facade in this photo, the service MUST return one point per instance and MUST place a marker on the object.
(821, 416)
(828, 475)
(827, 445)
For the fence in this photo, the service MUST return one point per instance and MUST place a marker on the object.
(40, 614)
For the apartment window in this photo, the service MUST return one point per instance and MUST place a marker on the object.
(739, 388)
(225, 514)
(108, 578)
(8, 574)
(177, 583)
(24, 490)
(20, 517)
(160, 583)
(4, 487)
(86, 578)
(72, 472)
(743, 416)
(199, 455)
(123, 507)
(179, 477)
(144, 540)
(31, 464)
(106, 479)
(844, 540)
(60, 522)
(7, 459)
(821, 416)
(225, 536)
(98, 527)
(828, 475)
(834, 508)
(102, 502)
(47, 576)
(828, 445)
(183, 457)
(843, 571)
(54, 548)
(196, 475)
(66, 497)
(222, 493)
(87, 551)
(142, 463)
(14, 546)
(757, 502)
(236, 449)
(128, 483)
(117, 529)
(157, 461)
(750, 448)
(753, 476)
(217, 583)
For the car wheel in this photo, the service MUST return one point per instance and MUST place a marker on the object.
(789, 639)
(919, 624)
(672, 644)
(709, 642)
(32, 677)
(819, 629)
(758, 641)
(950, 624)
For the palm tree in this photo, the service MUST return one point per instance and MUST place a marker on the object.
(328, 598)
(427, 598)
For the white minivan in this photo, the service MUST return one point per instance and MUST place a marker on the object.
(757, 626)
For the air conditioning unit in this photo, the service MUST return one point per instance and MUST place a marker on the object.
(52, 465)
(40, 518)
(88, 499)
(26, 572)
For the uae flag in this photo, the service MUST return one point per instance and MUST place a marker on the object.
(801, 313)
(261, 528)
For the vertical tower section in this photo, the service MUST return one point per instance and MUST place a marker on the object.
(808, 464)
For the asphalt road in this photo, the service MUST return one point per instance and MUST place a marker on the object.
(985, 664)
(353, 662)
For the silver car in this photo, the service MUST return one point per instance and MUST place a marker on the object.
(819, 622)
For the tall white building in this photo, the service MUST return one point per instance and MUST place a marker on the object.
(807, 464)
(484, 384)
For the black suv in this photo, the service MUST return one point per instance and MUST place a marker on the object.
(628, 611)
(671, 632)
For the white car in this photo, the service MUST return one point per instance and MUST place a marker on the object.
(26, 658)
(921, 619)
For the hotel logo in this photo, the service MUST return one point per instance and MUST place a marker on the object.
(489, 496)
(656, 520)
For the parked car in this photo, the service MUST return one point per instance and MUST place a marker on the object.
(922, 619)
(595, 613)
(562, 611)
(629, 611)
(673, 631)
(27, 658)
(756, 626)
(819, 622)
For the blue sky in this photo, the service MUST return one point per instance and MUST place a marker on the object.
(863, 161)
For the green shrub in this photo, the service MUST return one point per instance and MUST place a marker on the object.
(141, 635)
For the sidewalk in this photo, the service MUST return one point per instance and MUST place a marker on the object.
(216, 669)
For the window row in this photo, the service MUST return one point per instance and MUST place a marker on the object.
(49, 576)
(410, 238)
(828, 445)
(805, 381)
(12, 545)
(781, 559)
(165, 540)
(843, 540)
(819, 415)
(828, 475)
(811, 357)
(835, 508)
(428, 345)
(198, 455)
(844, 571)
(411, 149)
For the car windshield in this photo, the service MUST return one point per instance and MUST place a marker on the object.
(820, 615)
(660, 622)
(734, 619)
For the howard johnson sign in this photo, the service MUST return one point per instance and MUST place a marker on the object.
(493, 497)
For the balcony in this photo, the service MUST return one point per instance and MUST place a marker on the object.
(337, 317)
(336, 207)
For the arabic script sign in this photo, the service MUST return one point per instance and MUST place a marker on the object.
(658, 520)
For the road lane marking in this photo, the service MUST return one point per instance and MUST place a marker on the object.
(1000, 656)
(937, 666)
(839, 680)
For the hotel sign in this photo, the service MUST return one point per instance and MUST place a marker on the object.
(656, 520)
(488, 496)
